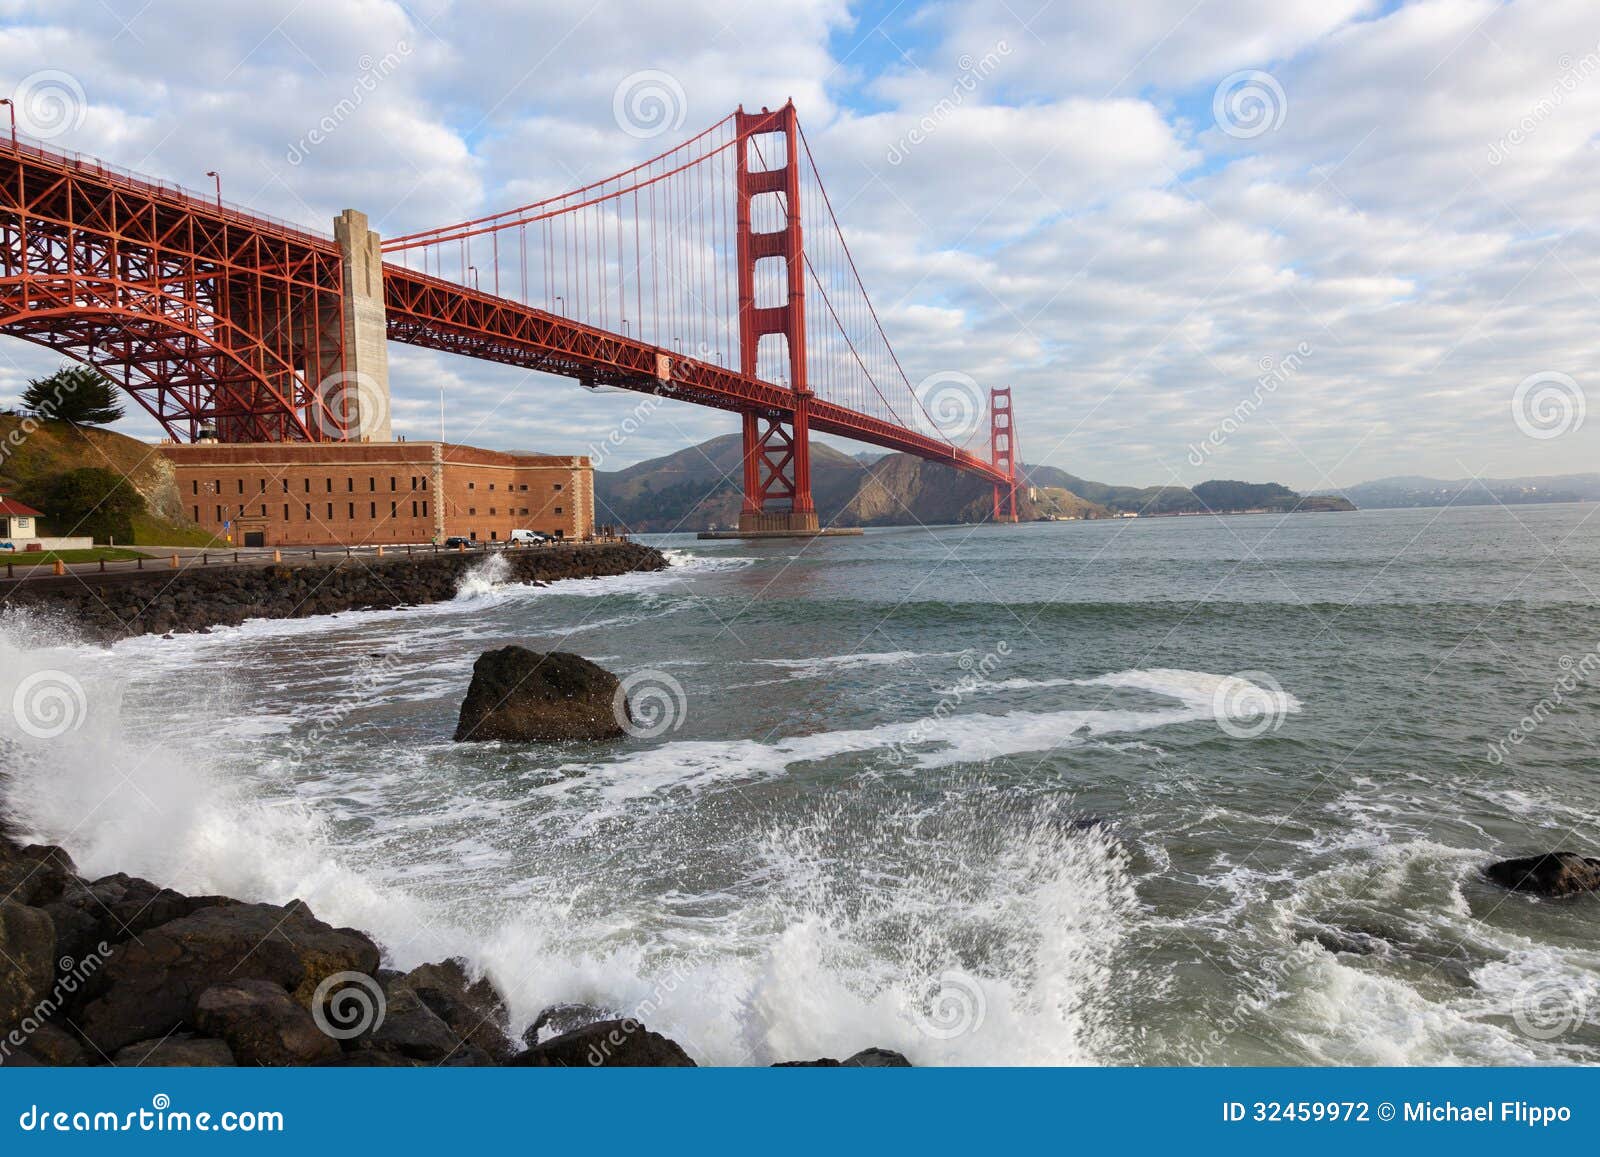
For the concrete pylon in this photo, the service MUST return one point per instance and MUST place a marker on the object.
(361, 391)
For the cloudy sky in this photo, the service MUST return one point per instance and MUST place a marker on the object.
(1314, 241)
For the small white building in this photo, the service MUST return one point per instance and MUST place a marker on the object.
(18, 523)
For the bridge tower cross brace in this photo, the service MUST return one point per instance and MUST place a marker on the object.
(777, 449)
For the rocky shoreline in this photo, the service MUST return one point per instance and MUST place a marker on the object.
(120, 971)
(196, 599)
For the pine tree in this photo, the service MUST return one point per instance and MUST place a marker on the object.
(77, 394)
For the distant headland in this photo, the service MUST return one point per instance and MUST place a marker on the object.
(697, 489)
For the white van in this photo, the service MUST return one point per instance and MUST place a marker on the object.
(528, 537)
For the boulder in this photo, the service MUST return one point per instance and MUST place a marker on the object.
(153, 982)
(560, 1019)
(412, 1029)
(607, 1044)
(27, 963)
(873, 1058)
(1346, 941)
(261, 1024)
(472, 1009)
(1552, 874)
(35, 874)
(114, 908)
(876, 1058)
(56, 1046)
(180, 1050)
(523, 696)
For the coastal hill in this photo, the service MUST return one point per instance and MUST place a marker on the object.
(1408, 491)
(33, 453)
(699, 489)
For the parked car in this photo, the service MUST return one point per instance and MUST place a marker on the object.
(529, 536)
(456, 542)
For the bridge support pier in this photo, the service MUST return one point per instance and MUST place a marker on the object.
(777, 477)
(356, 395)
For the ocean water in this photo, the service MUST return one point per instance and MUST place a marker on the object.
(1080, 793)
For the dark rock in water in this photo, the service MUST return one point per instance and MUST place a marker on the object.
(27, 961)
(561, 1019)
(153, 982)
(261, 1024)
(472, 1010)
(180, 1050)
(873, 1058)
(1552, 874)
(607, 1044)
(877, 1059)
(412, 1029)
(524, 696)
(1347, 941)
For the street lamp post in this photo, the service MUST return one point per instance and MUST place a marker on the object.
(215, 176)
(12, 109)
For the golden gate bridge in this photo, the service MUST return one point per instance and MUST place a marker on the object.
(714, 273)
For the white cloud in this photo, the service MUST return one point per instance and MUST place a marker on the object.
(1067, 218)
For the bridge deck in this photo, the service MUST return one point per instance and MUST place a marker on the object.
(442, 315)
(165, 344)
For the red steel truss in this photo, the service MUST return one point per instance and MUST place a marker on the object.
(441, 315)
(218, 319)
(211, 318)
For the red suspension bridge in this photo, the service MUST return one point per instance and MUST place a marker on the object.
(715, 273)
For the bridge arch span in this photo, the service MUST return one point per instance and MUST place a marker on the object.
(177, 370)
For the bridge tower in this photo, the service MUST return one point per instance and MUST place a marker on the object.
(357, 396)
(1002, 451)
(777, 454)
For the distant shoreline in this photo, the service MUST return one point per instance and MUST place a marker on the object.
(1478, 503)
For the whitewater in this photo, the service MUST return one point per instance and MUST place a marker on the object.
(1132, 839)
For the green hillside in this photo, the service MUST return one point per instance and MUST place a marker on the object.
(35, 454)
